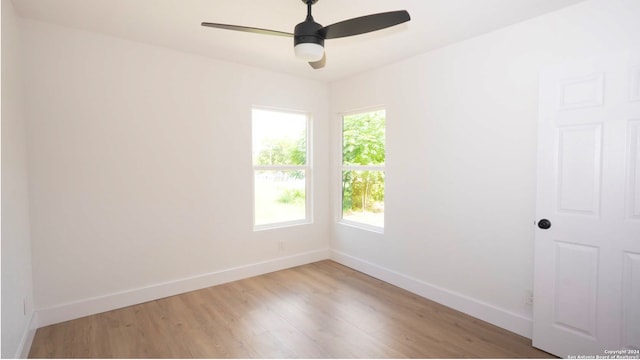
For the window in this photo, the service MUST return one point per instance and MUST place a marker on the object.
(363, 157)
(281, 168)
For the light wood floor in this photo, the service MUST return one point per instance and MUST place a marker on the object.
(320, 310)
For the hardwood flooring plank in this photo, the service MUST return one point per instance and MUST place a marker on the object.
(319, 310)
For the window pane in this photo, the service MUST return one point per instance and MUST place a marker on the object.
(279, 138)
(279, 196)
(363, 197)
(363, 138)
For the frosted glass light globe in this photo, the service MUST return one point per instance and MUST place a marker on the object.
(309, 51)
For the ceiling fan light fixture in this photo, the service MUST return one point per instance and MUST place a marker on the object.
(309, 36)
(309, 51)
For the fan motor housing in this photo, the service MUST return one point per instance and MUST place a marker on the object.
(308, 32)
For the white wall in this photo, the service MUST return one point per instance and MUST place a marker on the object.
(140, 167)
(16, 243)
(461, 146)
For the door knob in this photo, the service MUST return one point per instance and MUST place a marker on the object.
(544, 224)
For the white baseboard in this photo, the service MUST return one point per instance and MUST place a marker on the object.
(95, 305)
(500, 317)
(27, 337)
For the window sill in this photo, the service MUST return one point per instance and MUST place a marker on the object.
(280, 225)
(362, 226)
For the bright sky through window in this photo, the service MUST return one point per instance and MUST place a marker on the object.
(268, 124)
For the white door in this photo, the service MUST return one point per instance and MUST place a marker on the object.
(587, 263)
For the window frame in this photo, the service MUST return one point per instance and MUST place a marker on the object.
(307, 168)
(343, 168)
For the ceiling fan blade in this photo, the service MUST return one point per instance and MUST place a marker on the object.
(247, 29)
(365, 24)
(320, 63)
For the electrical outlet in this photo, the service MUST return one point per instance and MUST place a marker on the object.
(281, 245)
(528, 297)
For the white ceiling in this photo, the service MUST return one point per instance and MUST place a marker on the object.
(176, 24)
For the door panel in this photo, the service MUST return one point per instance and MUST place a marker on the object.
(634, 88)
(581, 92)
(576, 288)
(633, 171)
(631, 299)
(579, 169)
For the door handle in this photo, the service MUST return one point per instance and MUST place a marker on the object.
(544, 224)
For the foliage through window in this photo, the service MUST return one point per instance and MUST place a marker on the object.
(281, 168)
(363, 158)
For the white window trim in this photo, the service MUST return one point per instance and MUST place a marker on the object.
(308, 175)
(340, 141)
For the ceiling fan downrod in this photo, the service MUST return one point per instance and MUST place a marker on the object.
(309, 3)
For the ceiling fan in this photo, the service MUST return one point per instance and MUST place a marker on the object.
(309, 36)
